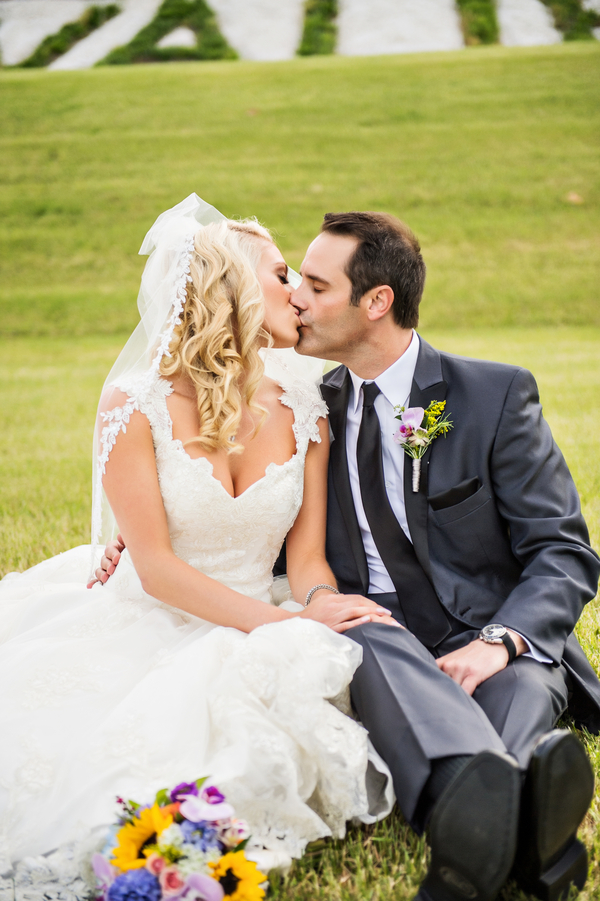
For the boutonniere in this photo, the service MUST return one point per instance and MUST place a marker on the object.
(418, 428)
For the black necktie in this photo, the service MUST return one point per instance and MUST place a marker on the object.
(423, 613)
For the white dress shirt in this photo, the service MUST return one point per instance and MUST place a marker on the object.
(395, 386)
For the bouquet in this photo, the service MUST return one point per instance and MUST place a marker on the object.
(186, 845)
(418, 427)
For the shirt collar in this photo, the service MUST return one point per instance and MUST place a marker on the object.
(395, 382)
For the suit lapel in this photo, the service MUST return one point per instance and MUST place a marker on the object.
(428, 384)
(336, 394)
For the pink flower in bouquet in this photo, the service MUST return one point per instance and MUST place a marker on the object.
(170, 881)
(233, 833)
(155, 864)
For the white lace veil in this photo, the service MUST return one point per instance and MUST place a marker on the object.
(161, 298)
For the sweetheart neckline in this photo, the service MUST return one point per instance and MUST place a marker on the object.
(178, 444)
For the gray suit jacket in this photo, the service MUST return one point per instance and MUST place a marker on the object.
(497, 524)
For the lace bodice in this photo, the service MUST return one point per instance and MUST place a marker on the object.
(235, 540)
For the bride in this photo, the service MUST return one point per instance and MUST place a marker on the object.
(185, 665)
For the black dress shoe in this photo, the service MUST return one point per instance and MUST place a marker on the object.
(558, 790)
(473, 831)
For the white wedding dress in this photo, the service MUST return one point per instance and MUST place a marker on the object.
(108, 691)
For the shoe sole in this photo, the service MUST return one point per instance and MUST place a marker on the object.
(571, 869)
(473, 832)
(555, 796)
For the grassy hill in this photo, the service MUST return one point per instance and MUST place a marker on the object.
(477, 150)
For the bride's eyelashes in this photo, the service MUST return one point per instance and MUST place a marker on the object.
(283, 279)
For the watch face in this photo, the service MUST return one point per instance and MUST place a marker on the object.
(493, 632)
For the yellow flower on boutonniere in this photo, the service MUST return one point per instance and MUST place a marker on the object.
(149, 823)
(239, 877)
(418, 427)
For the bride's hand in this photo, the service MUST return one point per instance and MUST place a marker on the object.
(344, 611)
(108, 564)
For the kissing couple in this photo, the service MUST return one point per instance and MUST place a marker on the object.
(421, 646)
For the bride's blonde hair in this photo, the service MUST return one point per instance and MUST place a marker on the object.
(216, 344)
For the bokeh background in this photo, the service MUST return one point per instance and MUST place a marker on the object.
(489, 152)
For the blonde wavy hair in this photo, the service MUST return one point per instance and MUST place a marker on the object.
(216, 344)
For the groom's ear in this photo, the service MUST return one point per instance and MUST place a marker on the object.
(379, 302)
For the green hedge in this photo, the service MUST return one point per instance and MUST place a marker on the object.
(56, 45)
(194, 14)
(575, 22)
(320, 31)
(479, 21)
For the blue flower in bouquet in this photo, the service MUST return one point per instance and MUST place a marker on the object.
(201, 835)
(135, 885)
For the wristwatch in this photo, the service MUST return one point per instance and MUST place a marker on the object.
(497, 634)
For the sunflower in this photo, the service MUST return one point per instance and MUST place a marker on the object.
(133, 836)
(239, 878)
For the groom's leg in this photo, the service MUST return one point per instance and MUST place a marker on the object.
(413, 711)
(523, 702)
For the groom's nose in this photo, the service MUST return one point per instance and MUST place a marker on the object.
(298, 298)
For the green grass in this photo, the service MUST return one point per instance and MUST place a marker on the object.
(48, 395)
(476, 149)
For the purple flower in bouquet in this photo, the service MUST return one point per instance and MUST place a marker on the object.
(183, 790)
(105, 874)
(200, 835)
(135, 885)
(212, 795)
(202, 888)
(210, 806)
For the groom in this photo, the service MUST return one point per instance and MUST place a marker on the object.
(487, 565)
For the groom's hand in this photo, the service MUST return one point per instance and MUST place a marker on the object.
(477, 661)
(342, 612)
(108, 564)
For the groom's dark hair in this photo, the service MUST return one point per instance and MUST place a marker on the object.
(388, 253)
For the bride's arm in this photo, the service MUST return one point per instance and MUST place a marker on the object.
(305, 550)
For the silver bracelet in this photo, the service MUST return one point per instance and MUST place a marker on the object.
(316, 588)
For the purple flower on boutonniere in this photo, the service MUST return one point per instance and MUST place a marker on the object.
(418, 427)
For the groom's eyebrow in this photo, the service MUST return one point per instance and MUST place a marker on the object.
(315, 278)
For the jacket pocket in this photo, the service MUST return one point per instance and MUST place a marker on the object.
(454, 495)
(457, 510)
